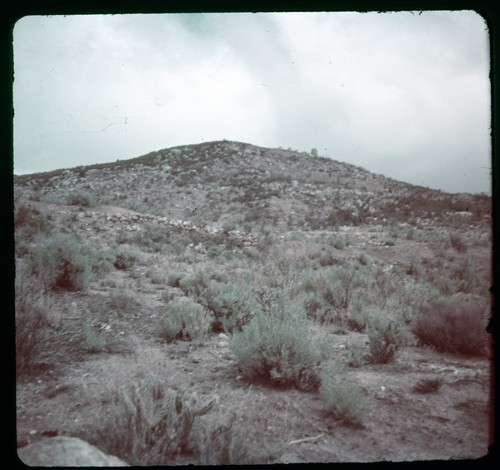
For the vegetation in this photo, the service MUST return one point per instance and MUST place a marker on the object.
(32, 321)
(277, 346)
(29, 225)
(81, 198)
(61, 262)
(449, 326)
(428, 385)
(149, 423)
(385, 337)
(124, 260)
(184, 321)
(342, 397)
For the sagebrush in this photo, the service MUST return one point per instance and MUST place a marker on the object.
(184, 321)
(61, 262)
(449, 326)
(344, 398)
(149, 423)
(277, 346)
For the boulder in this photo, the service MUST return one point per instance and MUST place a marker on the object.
(65, 451)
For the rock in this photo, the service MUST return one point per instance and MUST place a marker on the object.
(65, 451)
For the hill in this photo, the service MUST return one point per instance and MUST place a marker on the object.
(223, 303)
(238, 183)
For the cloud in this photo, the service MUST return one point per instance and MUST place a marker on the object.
(403, 94)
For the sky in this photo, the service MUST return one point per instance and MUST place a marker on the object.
(404, 94)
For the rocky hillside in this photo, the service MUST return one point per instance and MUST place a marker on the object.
(241, 185)
(222, 303)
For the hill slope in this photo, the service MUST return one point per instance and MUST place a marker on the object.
(237, 182)
(223, 303)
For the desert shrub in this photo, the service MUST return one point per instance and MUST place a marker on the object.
(228, 226)
(339, 244)
(93, 338)
(277, 345)
(28, 224)
(339, 284)
(31, 321)
(123, 237)
(327, 294)
(363, 259)
(457, 243)
(22, 213)
(415, 268)
(224, 443)
(25, 215)
(355, 355)
(81, 198)
(196, 284)
(154, 238)
(124, 260)
(92, 335)
(360, 315)
(327, 259)
(232, 305)
(232, 302)
(121, 303)
(406, 314)
(184, 321)
(101, 261)
(427, 385)
(313, 306)
(385, 286)
(458, 328)
(62, 263)
(143, 208)
(384, 338)
(342, 397)
(470, 280)
(173, 279)
(148, 423)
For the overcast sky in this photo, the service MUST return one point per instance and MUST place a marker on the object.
(402, 94)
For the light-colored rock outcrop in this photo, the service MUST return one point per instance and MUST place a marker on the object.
(65, 451)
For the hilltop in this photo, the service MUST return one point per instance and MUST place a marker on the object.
(237, 183)
(223, 303)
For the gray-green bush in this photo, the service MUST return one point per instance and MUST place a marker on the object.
(385, 337)
(360, 314)
(277, 346)
(61, 262)
(184, 321)
(81, 198)
(148, 423)
(31, 321)
(343, 397)
(232, 305)
(225, 443)
(124, 259)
